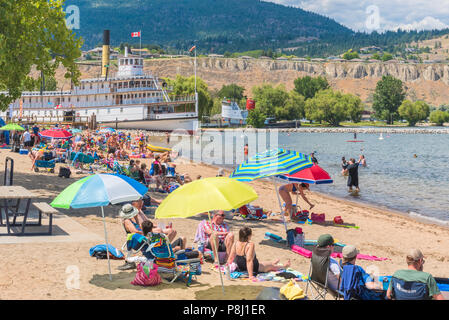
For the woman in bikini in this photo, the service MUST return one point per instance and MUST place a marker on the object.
(285, 190)
(244, 254)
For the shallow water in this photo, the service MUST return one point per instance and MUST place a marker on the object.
(393, 177)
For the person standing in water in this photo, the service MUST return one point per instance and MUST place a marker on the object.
(362, 160)
(314, 160)
(344, 166)
(353, 171)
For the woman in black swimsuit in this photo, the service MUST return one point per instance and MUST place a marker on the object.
(244, 255)
(284, 192)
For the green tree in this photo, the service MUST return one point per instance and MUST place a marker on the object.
(293, 108)
(387, 98)
(349, 55)
(387, 56)
(354, 108)
(231, 91)
(439, 117)
(34, 33)
(308, 86)
(414, 111)
(256, 118)
(376, 56)
(186, 86)
(331, 106)
(216, 107)
(269, 98)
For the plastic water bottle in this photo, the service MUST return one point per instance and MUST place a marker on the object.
(228, 272)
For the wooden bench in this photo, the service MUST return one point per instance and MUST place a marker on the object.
(45, 208)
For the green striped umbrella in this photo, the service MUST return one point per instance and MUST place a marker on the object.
(12, 127)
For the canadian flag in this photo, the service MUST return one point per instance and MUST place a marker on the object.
(135, 34)
(58, 107)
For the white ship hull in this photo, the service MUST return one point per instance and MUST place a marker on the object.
(189, 124)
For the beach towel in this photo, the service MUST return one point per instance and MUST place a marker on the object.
(100, 252)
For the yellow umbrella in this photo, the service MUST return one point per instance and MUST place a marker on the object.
(205, 195)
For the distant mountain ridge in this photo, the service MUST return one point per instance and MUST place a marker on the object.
(223, 25)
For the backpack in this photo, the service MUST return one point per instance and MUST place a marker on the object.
(295, 237)
(64, 172)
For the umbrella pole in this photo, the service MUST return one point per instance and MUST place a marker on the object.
(107, 245)
(280, 206)
(216, 253)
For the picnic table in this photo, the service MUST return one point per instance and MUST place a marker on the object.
(19, 194)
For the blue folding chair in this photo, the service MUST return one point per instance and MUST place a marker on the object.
(409, 290)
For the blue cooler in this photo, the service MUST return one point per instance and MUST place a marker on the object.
(23, 151)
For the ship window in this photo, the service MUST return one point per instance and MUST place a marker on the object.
(91, 86)
(119, 85)
(78, 99)
(106, 97)
(85, 111)
(102, 86)
(87, 98)
(121, 110)
(69, 99)
(63, 99)
(126, 61)
(125, 84)
(95, 98)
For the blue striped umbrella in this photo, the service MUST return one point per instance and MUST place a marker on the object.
(271, 163)
(100, 190)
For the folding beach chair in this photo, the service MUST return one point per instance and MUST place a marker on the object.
(157, 248)
(409, 290)
(351, 286)
(317, 278)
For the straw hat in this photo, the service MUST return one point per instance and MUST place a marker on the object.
(128, 211)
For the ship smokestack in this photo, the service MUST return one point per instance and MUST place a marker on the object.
(105, 58)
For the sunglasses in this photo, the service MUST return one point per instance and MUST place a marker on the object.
(221, 215)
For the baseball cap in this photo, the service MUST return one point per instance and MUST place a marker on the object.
(325, 240)
(415, 254)
(350, 251)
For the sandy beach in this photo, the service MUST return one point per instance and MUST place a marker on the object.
(42, 269)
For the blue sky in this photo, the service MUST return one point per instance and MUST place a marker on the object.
(380, 15)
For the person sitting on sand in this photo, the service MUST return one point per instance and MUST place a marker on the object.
(243, 252)
(284, 192)
(414, 273)
(224, 239)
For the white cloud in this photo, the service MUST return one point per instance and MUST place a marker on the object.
(393, 14)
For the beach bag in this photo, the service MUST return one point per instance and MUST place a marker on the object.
(292, 291)
(295, 237)
(318, 217)
(64, 172)
(338, 220)
(146, 275)
(301, 215)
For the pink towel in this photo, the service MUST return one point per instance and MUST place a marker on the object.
(359, 256)
(308, 254)
(300, 250)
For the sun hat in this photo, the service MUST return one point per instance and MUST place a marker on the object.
(128, 211)
(415, 254)
(349, 252)
(325, 240)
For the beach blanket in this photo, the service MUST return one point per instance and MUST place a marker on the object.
(100, 252)
(283, 275)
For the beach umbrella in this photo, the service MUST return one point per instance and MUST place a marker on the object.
(56, 134)
(75, 131)
(205, 195)
(272, 163)
(100, 190)
(313, 175)
(12, 127)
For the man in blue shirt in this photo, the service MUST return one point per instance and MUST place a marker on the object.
(362, 289)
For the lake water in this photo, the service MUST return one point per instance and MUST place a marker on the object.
(392, 179)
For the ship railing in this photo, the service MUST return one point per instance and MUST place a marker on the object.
(171, 115)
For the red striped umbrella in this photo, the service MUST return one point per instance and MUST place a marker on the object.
(312, 175)
(56, 134)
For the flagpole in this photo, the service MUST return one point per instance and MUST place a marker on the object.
(196, 93)
(140, 36)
